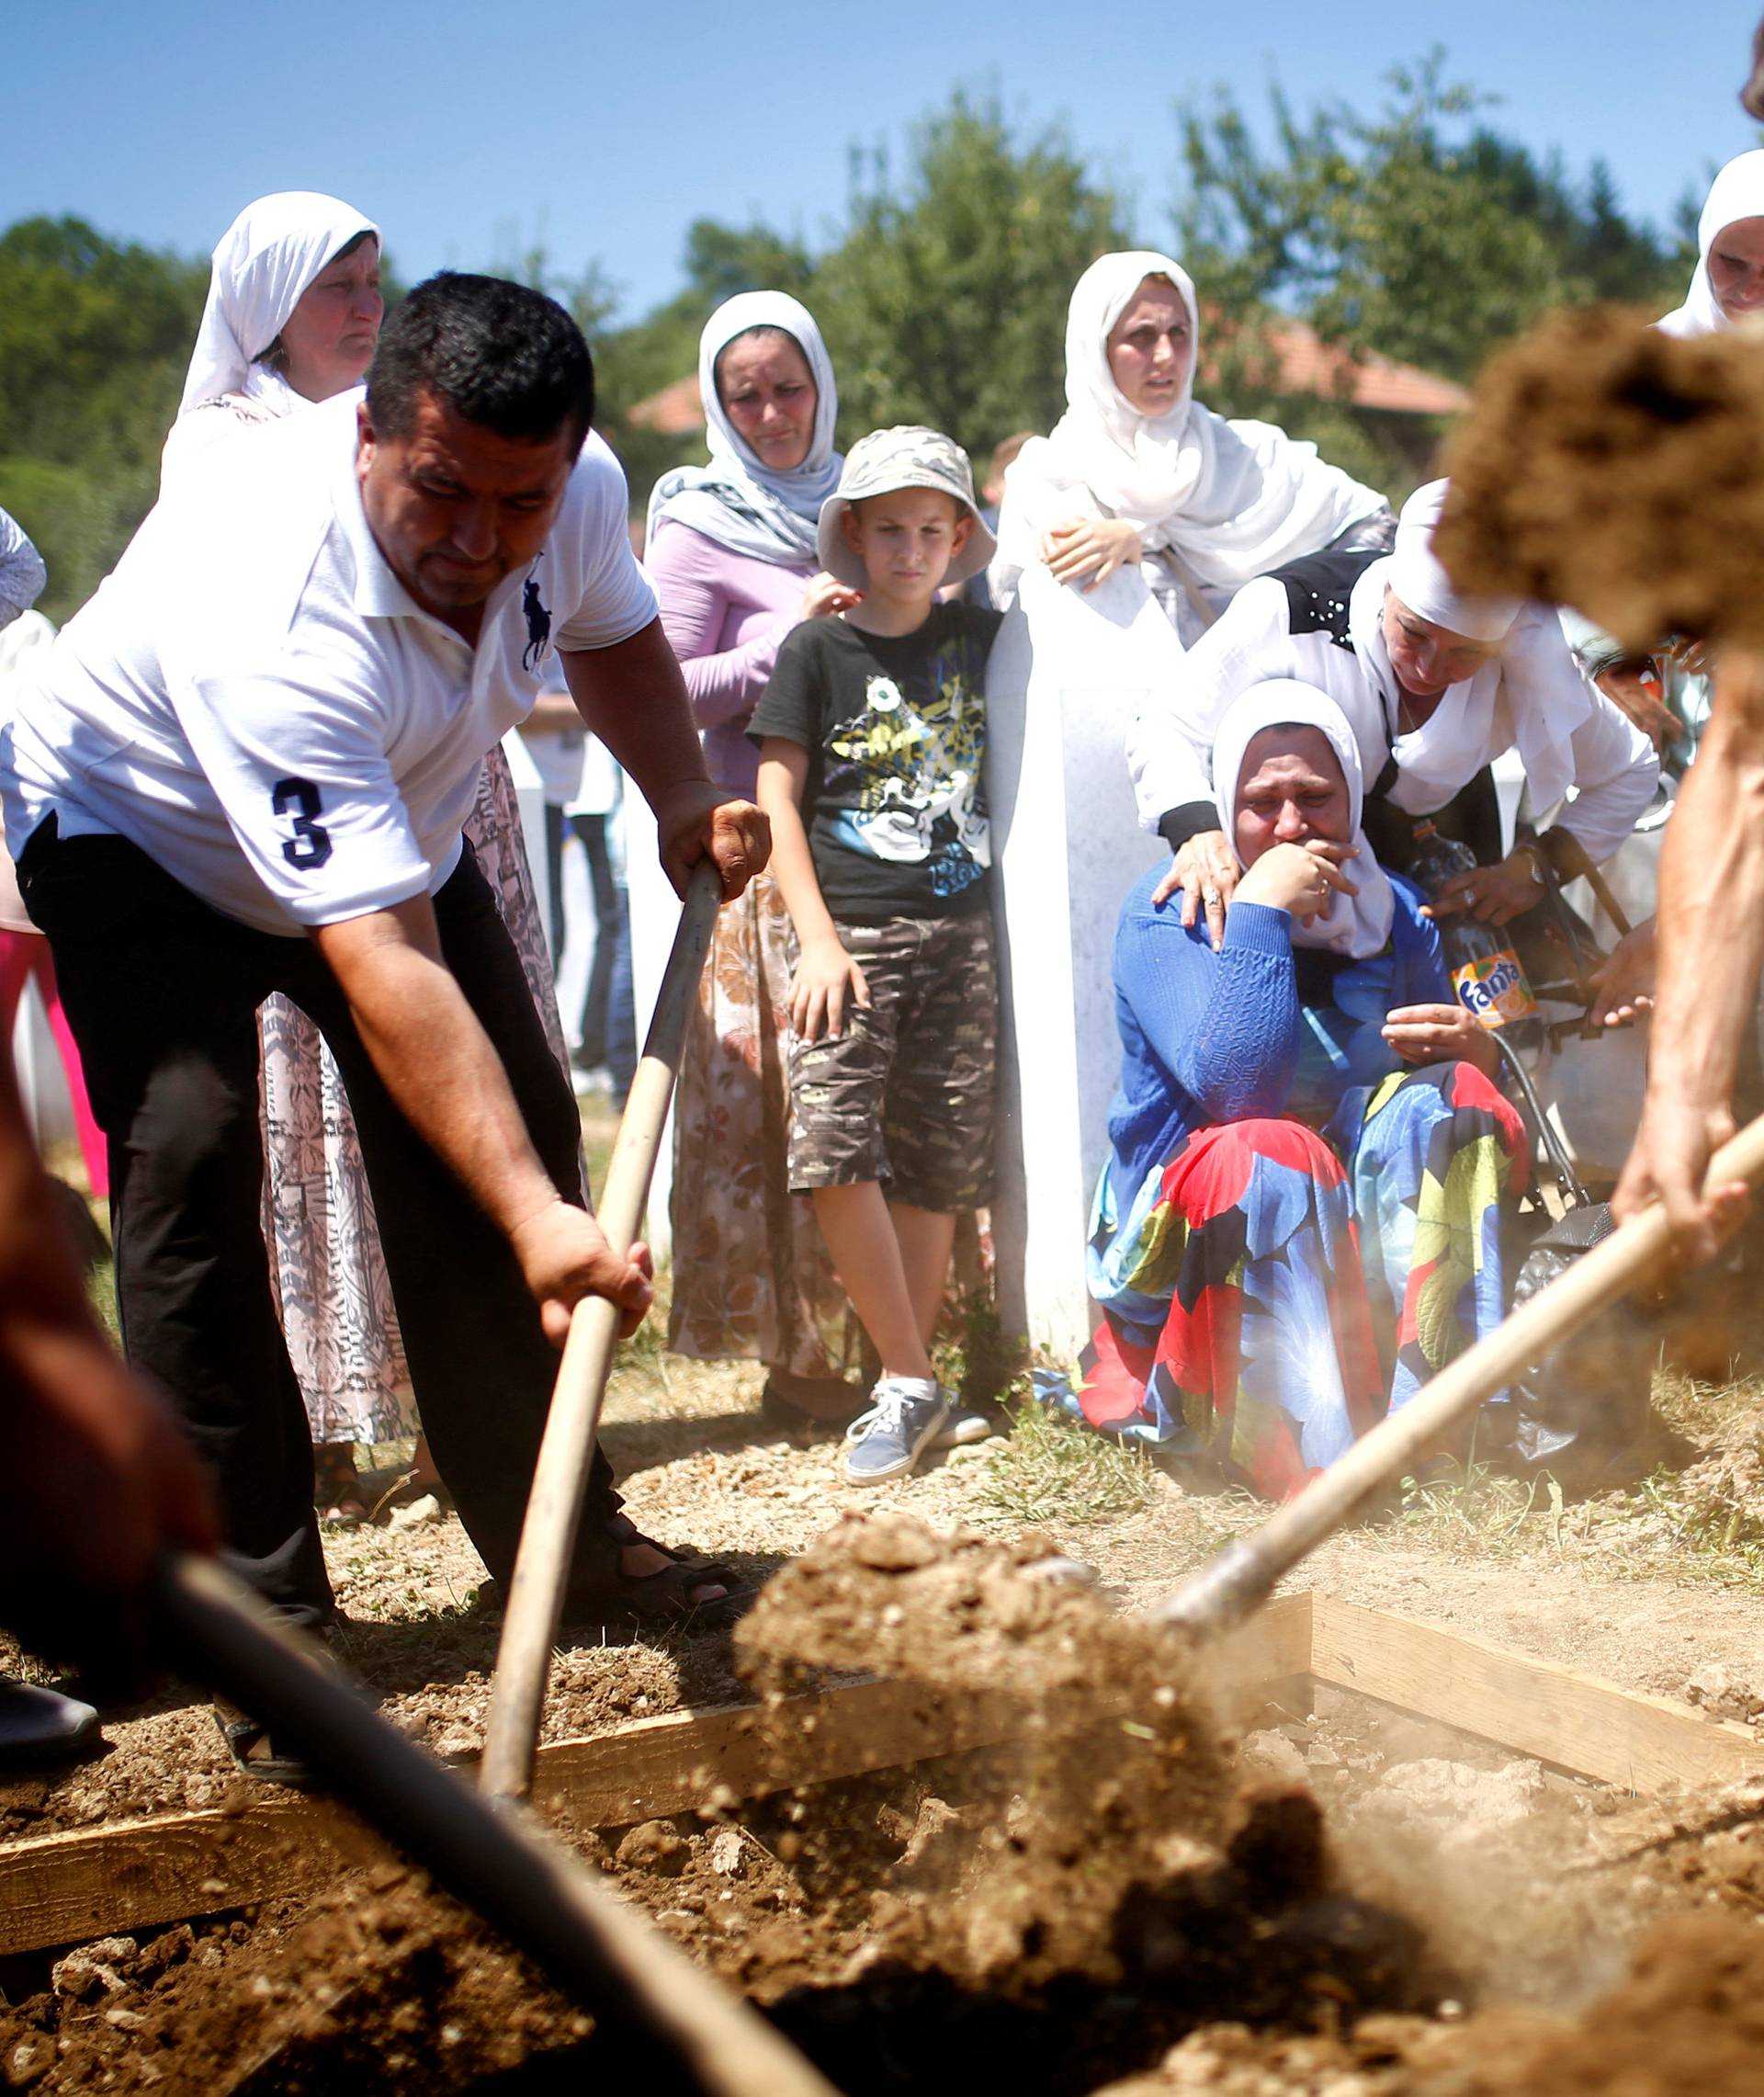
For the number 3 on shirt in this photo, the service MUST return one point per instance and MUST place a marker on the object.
(310, 844)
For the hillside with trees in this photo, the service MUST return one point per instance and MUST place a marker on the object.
(1415, 230)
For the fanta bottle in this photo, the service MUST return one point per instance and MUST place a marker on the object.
(1484, 967)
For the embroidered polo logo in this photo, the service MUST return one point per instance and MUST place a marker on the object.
(538, 625)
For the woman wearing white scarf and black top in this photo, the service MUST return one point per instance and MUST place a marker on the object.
(1436, 687)
(731, 549)
(1138, 473)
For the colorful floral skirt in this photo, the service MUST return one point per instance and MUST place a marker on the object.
(1264, 1301)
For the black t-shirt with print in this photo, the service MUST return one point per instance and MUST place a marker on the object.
(895, 727)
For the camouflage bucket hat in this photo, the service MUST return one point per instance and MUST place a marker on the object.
(905, 456)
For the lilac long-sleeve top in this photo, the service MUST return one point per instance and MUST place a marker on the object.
(724, 615)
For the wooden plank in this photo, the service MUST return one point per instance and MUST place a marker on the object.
(1639, 1742)
(670, 1764)
(62, 1889)
(1271, 1645)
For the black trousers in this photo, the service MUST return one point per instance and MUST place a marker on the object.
(162, 994)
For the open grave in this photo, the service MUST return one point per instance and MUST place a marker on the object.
(1036, 1844)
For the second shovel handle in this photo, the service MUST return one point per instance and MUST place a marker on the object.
(542, 1564)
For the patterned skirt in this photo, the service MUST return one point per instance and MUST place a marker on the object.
(327, 1266)
(752, 1280)
(1265, 1303)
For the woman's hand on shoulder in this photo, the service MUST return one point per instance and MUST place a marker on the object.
(827, 595)
(1300, 879)
(1440, 1034)
(1206, 869)
(826, 982)
(1090, 549)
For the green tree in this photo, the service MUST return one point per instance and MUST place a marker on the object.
(94, 339)
(1418, 231)
(946, 301)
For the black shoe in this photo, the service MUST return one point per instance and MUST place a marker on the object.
(39, 1727)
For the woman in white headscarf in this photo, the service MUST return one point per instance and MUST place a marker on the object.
(731, 549)
(1727, 285)
(1435, 684)
(1670, 694)
(1138, 473)
(1300, 1219)
(293, 317)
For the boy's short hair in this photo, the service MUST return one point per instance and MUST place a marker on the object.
(909, 456)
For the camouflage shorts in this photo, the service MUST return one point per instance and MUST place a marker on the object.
(905, 1095)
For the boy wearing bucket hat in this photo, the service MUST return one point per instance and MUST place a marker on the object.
(872, 736)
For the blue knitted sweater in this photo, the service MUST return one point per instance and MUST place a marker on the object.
(1256, 1030)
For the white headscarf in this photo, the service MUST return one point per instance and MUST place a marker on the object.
(1354, 926)
(1232, 499)
(1532, 695)
(737, 500)
(267, 258)
(1419, 579)
(1738, 192)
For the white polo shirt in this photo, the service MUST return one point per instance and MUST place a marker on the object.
(255, 699)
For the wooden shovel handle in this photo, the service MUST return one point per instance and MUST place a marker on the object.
(554, 1506)
(1228, 1587)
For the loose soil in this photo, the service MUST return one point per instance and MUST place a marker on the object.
(1142, 1895)
(1606, 466)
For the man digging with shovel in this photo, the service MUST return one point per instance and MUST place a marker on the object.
(243, 768)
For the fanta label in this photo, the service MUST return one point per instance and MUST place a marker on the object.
(1494, 989)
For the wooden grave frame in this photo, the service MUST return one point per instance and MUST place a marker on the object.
(66, 1888)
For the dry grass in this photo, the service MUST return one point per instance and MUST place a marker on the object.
(1052, 1471)
(1468, 1508)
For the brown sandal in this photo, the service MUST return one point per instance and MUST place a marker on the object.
(336, 1486)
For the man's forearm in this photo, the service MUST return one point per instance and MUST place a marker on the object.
(436, 1060)
(1711, 902)
(633, 696)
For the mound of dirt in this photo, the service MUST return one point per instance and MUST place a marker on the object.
(1082, 1896)
(1606, 466)
(376, 1985)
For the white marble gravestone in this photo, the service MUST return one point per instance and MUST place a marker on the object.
(1068, 672)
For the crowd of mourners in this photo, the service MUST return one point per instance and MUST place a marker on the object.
(259, 807)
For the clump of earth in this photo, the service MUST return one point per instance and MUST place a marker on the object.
(1610, 466)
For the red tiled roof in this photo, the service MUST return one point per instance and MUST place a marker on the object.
(1303, 363)
(675, 410)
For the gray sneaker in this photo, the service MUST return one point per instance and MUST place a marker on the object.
(906, 1414)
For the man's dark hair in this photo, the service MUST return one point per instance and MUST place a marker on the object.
(497, 353)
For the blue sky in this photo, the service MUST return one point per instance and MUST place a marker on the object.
(474, 132)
